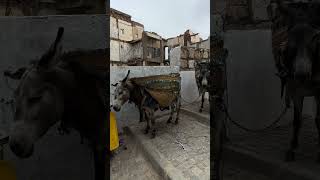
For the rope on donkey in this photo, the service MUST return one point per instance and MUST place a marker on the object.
(272, 125)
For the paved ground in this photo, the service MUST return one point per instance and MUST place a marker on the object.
(272, 145)
(234, 172)
(185, 146)
(130, 163)
(231, 171)
(195, 106)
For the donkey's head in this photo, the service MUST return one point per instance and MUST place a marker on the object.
(122, 92)
(302, 49)
(202, 73)
(38, 103)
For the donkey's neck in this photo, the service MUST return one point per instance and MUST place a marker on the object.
(135, 93)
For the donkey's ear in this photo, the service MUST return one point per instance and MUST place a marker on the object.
(16, 75)
(126, 78)
(51, 57)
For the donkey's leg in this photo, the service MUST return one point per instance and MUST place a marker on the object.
(202, 100)
(146, 117)
(171, 114)
(178, 106)
(317, 119)
(298, 104)
(153, 127)
(141, 115)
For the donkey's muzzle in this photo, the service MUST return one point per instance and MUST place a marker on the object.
(21, 149)
(116, 108)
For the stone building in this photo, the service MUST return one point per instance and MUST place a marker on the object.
(187, 48)
(130, 44)
(241, 14)
(50, 7)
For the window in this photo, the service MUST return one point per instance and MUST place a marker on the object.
(166, 53)
(136, 35)
(122, 31)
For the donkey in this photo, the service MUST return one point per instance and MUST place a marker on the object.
(136, 98)
(202, 75)
(302, 61)
(57, 89)
(126, 90)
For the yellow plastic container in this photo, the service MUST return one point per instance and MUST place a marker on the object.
(7, 171)
(114, 138)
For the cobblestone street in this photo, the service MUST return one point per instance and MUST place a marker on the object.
(274, 143)
(234, 172)
(130, 163)
(185, 146)
(195, 106)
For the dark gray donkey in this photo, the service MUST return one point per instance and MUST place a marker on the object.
(56, 88)
(202, 75)
(127, 90)
(301, 60)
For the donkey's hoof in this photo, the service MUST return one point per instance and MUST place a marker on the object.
(169, 120)
(200, 110)
(146, 131)
(290, 156)
(176, 122)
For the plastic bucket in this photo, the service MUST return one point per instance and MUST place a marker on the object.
(7, 171)
(114, 138)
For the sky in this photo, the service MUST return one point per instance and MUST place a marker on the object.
(168, 18)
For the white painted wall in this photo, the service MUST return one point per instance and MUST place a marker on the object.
(114, 50)
(189, 89)
(253, 87)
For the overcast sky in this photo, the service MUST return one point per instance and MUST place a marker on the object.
(168, 18)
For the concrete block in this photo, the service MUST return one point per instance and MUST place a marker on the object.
(197, 54)
(191, 53)
(184, 53)
(184, 63)
(191, 64)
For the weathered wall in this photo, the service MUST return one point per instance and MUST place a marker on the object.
(253, 88)
(189, 88)
(122, 51)
(125, 51)
(26, 38)
(114, 50)
(175, 55)
(184, 57)
(137, 50)
(113, 28)
(125, 30)
(137, 32)
(195, 38)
